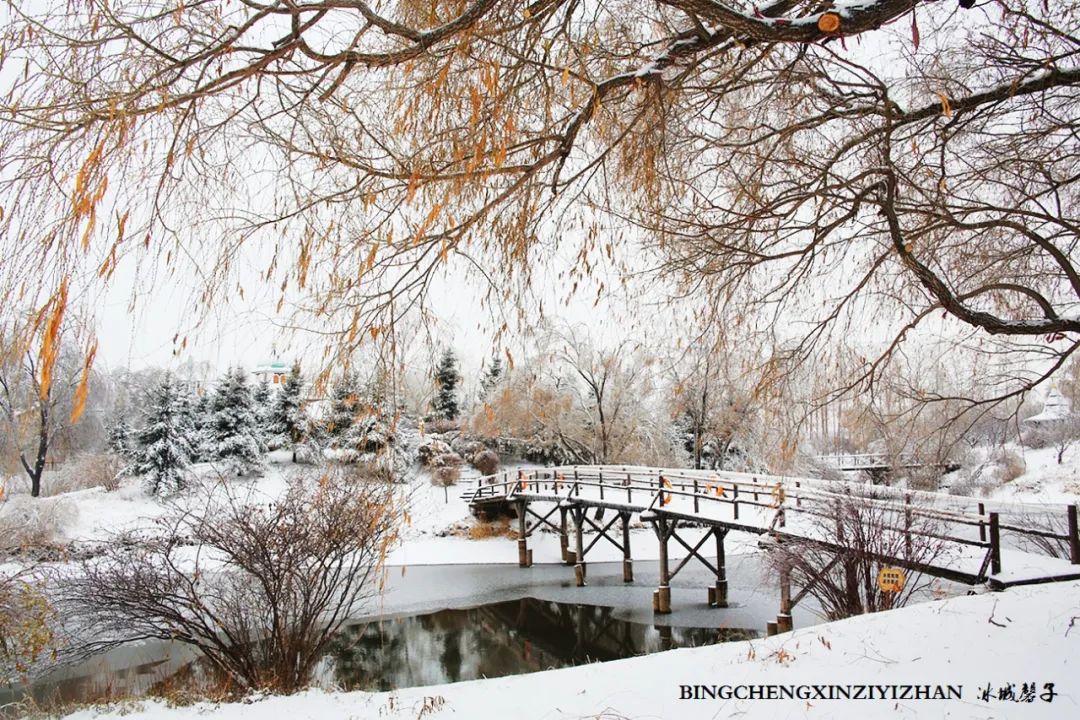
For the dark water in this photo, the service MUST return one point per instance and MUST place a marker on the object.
(505, 638)
(492, 640)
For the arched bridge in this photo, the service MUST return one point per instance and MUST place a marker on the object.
(957, 538)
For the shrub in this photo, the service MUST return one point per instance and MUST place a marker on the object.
(26, 635)
(1012, 465)
(449, 459)
(442, 425)
(445, 476)
(34, 523)
(284, 576)
(486, 461)
(485, 530)
(95, 470)
(839, 565)
(431, 449)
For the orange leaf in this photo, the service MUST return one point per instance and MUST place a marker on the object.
(84, 384)
(50, 343)
(946, 108)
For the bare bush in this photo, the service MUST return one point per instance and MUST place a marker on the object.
(840, 557)
(443, 425)
(268, 588)
(486, 461)
(430, 450)
(445, 476)
(28, 523)
(450, 459)
(26, 636)
(1011, 465)
(1053, 529)
(89, 470)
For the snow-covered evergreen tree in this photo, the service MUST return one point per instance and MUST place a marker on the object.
(201, 414)
(344, 405)
(288, 421)
(262, 396)
(120, 440)
(492, 376)
(234, 435)
(447, 377)
(163, 445)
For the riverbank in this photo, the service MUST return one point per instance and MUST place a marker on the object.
(1000, 641)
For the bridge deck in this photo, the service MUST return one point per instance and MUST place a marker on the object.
(965, 548)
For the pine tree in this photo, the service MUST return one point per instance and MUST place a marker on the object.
(446, 382)
(261, 398)
(492, 376)
(201, 414)
(287, 419)
(234, 434)
(344, 405)
(163, 446)
(120, 441)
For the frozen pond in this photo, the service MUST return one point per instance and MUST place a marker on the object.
(447, 623)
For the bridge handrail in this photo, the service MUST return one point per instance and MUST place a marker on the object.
(550, 476)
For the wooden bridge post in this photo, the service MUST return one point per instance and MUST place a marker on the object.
(982, 527)
(524, 554)
(564, 538)
(665, 637)
(662, 596)
(1074, 535)
(718, 594)
(783, 620)
(907, 526)
(628, 562)
(579, 546)
(995, 544)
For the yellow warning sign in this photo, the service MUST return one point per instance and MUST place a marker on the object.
(891, 579)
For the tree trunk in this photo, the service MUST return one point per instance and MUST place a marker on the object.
(697, 447)
(34, 473)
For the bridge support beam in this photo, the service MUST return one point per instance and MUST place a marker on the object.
(718, 593)
(564, 538)
(524, 553)
(579, 544)
(628, 562)
(662, 596)
(783, 620)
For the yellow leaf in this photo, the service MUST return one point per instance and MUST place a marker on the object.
(50, 343)
(946, 108)
(84, 384)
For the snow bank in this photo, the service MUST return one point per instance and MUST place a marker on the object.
(1025, 635)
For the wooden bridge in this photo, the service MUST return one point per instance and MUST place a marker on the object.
(879, 463)
(940, 535)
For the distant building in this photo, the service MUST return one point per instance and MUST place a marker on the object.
(273, 371)
(195, 376)
(1056, 410)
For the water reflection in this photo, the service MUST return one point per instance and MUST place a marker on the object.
(493, 640)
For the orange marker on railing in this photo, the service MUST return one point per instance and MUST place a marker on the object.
(665, 498)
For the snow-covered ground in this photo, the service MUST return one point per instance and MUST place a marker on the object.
(1028, 635)
(1024, 635)
(1044, 479)
(94, 515)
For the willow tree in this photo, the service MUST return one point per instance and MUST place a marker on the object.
(797, 155)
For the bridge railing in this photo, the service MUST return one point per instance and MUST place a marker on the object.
(776, 497)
